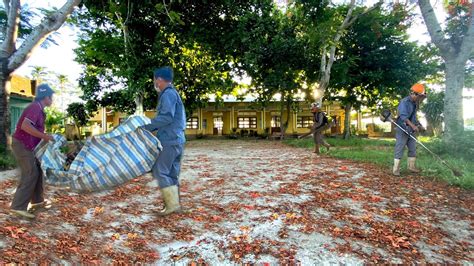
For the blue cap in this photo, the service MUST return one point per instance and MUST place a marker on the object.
(165, 73)
(43, 91)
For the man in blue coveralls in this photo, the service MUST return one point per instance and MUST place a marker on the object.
(408, 121)
(170, 123)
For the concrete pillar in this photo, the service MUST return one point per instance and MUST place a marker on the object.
(264, 114)
(296, 121)
(232, 119)
(104, 120)
(359, 121)
(200, 119)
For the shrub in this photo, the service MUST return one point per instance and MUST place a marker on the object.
(6, 159)
(463, 147)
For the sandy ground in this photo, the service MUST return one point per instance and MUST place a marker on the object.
(251, 202)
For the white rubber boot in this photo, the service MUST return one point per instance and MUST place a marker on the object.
(412, 165)
(396, 167)
(171, 198)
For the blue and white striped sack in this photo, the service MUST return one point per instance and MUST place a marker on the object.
(105, 160)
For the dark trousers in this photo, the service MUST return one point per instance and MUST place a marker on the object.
(30, 186)
(168, 165)
(402, 141)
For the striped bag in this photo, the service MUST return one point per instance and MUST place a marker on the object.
(105, 160)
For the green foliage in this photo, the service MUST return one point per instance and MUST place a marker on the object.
(7, 161)
(274, 56)
(25, 27)
(433, 109)
(458, 21)
(27, 15)
(54, 120)
(376, 63)
(78, 113)
(182, 36)
(470, 122)
(463, 147)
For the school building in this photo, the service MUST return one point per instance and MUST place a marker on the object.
(22, 93)
(245, 118)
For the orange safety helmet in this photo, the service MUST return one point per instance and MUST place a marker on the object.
(418, 88)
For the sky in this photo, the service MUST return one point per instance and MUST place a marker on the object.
(60, 58)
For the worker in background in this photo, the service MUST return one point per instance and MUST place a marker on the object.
(170, 123)
(407, 120)
(28, 134)
(320, 124)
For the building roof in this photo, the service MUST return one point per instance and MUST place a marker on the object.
(22, 86)
(247, 98)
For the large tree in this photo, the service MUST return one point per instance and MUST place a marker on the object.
(187, 37)
(14, 53)
(273, 56)
(455, 43)
(376, 61)
(325, 25)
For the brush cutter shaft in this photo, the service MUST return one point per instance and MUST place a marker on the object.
(421, 144)
(386, 116)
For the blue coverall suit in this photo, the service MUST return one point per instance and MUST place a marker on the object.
(406, 110)
(170, 121)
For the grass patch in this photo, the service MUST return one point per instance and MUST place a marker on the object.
(380, 152)
(7, 161)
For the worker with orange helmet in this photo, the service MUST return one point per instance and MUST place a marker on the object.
(407, 120)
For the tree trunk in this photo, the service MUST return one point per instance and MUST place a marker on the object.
(282, 125)
(430, 130)
(455, 57)
(139, 104)
(288, 113)
(329, 51)
(437, 130)
(4, 109)
(453, 109)
(12, 56)
(139, 109)
(347, 121)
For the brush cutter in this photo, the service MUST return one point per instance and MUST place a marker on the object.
(386, 116)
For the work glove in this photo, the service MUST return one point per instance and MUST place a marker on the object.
(415, 130)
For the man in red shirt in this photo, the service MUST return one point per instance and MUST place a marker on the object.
(28, 134)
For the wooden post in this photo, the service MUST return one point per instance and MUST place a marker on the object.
(104, 120)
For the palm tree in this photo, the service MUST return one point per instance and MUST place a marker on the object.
(38, 73)
(62, 81)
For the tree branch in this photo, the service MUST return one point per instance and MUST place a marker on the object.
(6, 3)
(323, 61)
(11, 33)
(40, 33)
(468, 41)
(326, 65)
(346, 21)
(367, 10)
(433, 26)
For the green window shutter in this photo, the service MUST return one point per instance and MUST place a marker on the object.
(15, 113)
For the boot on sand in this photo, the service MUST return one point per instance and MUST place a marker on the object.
(171, 198)
(22, 214)
(316, 149)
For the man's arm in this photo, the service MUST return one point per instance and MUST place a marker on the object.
(165, 113)
(404, 115)
(30, 129)
(319, 121)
